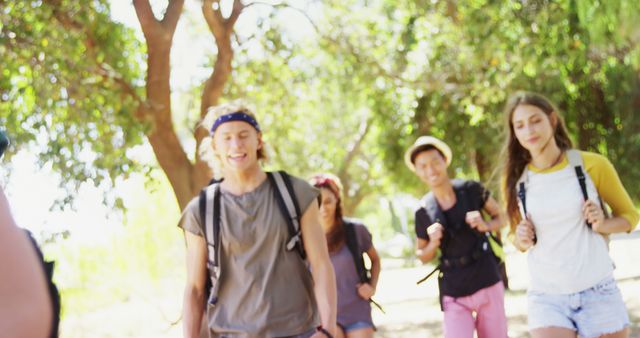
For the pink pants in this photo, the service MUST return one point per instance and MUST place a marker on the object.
(488, 305)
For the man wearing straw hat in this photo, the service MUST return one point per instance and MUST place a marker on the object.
(449, 225)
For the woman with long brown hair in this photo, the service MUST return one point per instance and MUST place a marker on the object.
(553, 196)
(354, 288)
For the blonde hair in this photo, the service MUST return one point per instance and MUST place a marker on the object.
(206, 150)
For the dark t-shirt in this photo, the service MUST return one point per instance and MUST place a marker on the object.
(460, 240)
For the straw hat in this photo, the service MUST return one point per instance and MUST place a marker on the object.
(420, 144)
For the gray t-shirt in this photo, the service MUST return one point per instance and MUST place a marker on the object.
(265, 290)
(351, 307)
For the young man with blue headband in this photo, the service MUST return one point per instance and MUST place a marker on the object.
(262, 287)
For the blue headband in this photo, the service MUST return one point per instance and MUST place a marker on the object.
(237, 116)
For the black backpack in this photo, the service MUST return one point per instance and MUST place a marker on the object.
(54, 295)
(435, 214)
(351, 241)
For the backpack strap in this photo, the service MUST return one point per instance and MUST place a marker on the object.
(575, 159)
(351, 240)
(289, 207)
(521, 187)
(352, 244)
(432, 208)
(209, 202)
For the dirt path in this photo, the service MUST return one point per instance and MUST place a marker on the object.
(412, 311)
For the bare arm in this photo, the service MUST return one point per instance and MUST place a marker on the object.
(497, 221)
(475, 220)
(324, 279)
(375, 266)
(26, 309)
(594, 214)
(614, 225)
(428, 249)
(194, 292)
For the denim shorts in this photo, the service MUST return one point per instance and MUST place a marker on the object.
(355, 326)
(592, 312)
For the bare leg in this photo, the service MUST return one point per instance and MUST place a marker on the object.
(553, 332)
(624, 333)
(366, 332)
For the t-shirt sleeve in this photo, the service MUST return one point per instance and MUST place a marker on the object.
(422, 223)
(364, 237)
(190, 219)
(305, 193)
(610, 188)
(479, 192)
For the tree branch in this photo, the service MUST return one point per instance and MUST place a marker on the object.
(235, 14)
(107, 72)
(174, 10)
(285, 5)
(148, 21)
(214, 19)
(355, 149)
(103, 69)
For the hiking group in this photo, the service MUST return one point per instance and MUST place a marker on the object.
(272, 255)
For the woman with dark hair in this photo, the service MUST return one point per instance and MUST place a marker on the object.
(353, 287)
(554, 195)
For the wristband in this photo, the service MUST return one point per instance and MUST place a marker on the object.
(324, 331)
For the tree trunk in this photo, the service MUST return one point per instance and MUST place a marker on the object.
(156, 110)
(222, 30)
(483, 165)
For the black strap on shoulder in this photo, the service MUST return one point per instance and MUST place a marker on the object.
(522, 195)
(202, 204)
(352, 244)
(216, 224)
(431, 207)
(583, 185)
(287, 182)
(433, 211)
(293, 232)
(202, 201)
